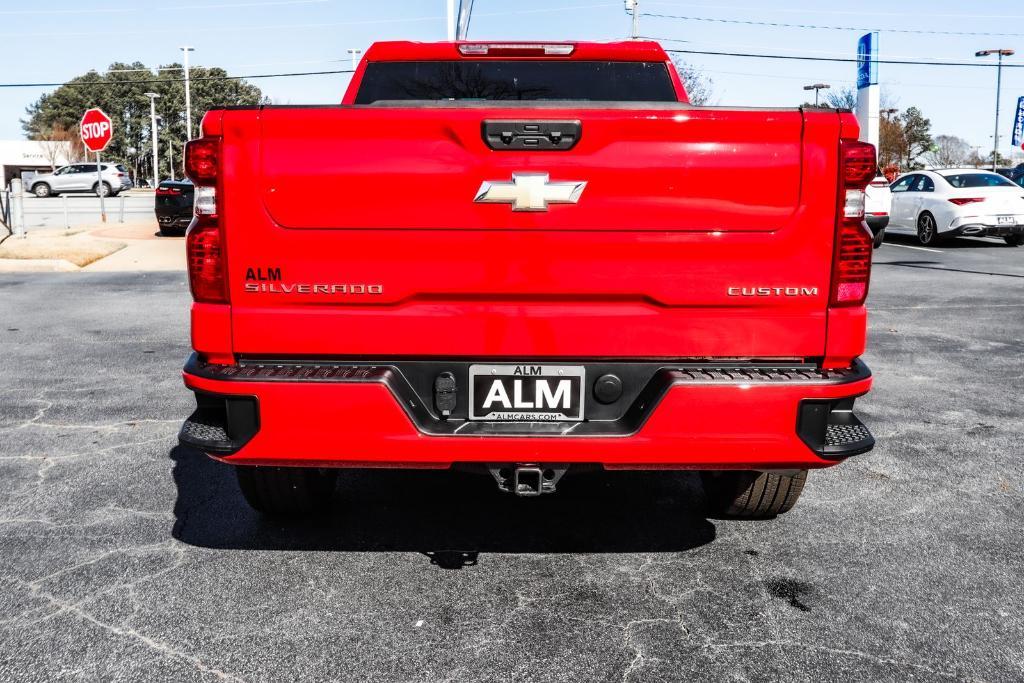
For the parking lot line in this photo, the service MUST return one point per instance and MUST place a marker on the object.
(908, 246)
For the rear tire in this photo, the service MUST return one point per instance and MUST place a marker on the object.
(1014, 240)
(286, 491)
(42, 190)
(751, 495)
(879, 238)
(927, 230)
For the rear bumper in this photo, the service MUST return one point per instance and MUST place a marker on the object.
(985, 227)
(877, 223)
(684, 417)
(174, 219)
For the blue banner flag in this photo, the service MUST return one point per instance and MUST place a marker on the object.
(867, 54)
(1018, 123)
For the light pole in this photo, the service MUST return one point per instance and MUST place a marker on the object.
(889, 112)
(631, 8)
(152, 124)
(185, 49)
(999, 86)
(816, 87)
(354, 54)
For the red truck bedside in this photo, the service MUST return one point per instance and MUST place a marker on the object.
(527, 258)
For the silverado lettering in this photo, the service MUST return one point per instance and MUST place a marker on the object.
(561, 235)
(283, 288)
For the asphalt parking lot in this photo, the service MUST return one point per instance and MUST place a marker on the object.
(125, 557)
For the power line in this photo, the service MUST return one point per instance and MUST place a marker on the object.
(308, 25)
(779, 24)
(176, 8)
(857, 12)
(75, 84)
(847, 60)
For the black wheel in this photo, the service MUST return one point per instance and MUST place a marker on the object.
(286, 491)
(879, 238)
(1014, 240)
(42, 190)
(751, 495)
(102, 189)
(927, 231)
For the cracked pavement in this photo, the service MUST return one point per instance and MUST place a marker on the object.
(125, 557)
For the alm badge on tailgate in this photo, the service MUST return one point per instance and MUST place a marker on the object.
(526, 393)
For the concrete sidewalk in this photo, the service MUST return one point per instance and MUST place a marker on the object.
(107, 247)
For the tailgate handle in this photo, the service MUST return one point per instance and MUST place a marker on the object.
(551, 136)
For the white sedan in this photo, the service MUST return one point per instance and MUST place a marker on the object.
(937, 204)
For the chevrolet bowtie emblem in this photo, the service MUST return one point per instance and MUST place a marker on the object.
(529, 192)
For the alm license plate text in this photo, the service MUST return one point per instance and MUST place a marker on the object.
(1006, 220)
(526, 393)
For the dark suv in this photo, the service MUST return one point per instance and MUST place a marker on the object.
(174, 206)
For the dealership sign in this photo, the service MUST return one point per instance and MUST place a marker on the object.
(96, 130)
(1018, 124)
(867, 60)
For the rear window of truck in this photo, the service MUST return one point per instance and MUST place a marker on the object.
(603, 81)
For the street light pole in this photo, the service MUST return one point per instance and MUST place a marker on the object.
(152, 124)
(354, 54)
(631, 7)
(816, 87)
(999, 86)
(185, 49)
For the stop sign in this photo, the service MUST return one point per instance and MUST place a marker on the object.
(96, 129)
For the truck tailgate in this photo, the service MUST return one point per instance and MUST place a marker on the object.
(699, 233)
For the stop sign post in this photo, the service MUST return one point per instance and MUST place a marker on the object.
(96, 131)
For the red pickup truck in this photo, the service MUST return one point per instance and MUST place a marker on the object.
(527, 259)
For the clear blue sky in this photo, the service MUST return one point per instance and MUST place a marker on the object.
(59, 39)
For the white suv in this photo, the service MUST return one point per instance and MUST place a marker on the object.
(82, 178)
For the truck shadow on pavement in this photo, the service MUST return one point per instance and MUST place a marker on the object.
(449, 516)
(950, 242)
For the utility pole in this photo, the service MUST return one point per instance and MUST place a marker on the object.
(889, 112)
(999, 86)
(185, 49)
(170, 157)
(156, 150)
(816, 87)
(631, 8)
(354, 54)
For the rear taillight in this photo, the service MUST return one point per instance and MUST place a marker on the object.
(851, 264)
(201, 160)
(204, 245)
(879, 183)
(960, 201)
(167, 191)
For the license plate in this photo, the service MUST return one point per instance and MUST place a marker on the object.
(1006, 220)
(526, 393)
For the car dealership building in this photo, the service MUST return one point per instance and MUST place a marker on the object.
(25, 158)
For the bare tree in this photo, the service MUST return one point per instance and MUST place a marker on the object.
(949, 151)
(56, 142)
(699, 87)
(843, 98)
